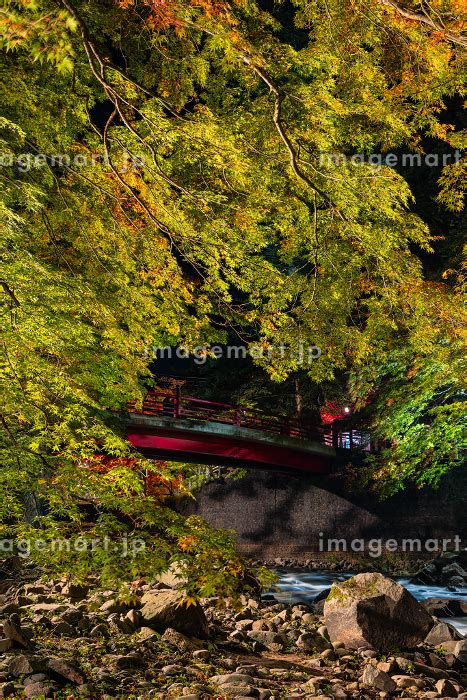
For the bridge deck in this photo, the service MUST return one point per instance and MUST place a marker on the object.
(179, 428)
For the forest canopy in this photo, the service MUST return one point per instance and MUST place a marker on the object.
(177, 172)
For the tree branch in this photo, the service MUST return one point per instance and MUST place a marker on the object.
(454, 37)
(6, 288)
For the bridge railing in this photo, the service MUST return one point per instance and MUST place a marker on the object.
(175, 405)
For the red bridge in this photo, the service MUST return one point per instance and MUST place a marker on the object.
(187, 429)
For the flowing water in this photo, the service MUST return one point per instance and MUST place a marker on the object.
(305, 586)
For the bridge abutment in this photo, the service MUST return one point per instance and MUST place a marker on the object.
(293, 516)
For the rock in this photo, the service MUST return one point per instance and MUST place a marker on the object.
(12, 630)
(460, 650)
(25, 665)
(244, 625)
(178, 640)
(68, 670)
(7, 690)
(442, 632)
(435, 661)
(308, 619)
(173, 577)
(35, 678)
(237, 691)
(5, 645)
(409, 682)
(446, 689)
(118, 624)
(312, 642)
(262, 625)
(73, 616)
(147, 634)
(429, 671)
(40, 608)
(386, 666)
(453, 570)
(271, 640)
(127, 661)
(329, 655)
(100, 630)
(372, 610)
(376, 678)
(133, 617)
(201, 654)
(63, 629)
(232, 679)
(323, 631)
(10, 566)
(39, 690)
(173, 670)
(445, 607)
(113, 606)
(75, 591)
(165, 608)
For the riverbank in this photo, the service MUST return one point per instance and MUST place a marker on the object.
(74, 641)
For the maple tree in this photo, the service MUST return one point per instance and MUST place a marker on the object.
(199, 194)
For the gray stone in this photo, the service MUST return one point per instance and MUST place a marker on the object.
(100, 630)
(271, 640)
(178, 640)
(63, 629)
(35, 678)
(312, 642)
(442, 632)
(68, 670)
(376, 678)
(370, 610)
(40, 608)
(172, 670)
(409, 682)
(128, 661)
(12, 630)
(238, 691)
(5, 645)
(76, 591)
(232, 679)
(166, 608)
(201, 654)
(113, 606)
(39, 690)
(172, 578)
(446, 689)
(25, 665)
(133, 617)
(7, 690)
(72, 616)
(460, 650)
(146, 634)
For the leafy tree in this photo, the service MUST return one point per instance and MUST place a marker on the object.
(166, 178)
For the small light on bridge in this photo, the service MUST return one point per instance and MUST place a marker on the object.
(346, 409)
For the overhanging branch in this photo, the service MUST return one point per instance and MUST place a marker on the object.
(454, 37)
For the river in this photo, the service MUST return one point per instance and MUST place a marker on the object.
(303, 587)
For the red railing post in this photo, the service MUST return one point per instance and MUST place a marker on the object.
(178, 402)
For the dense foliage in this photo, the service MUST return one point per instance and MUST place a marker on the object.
(196, 199)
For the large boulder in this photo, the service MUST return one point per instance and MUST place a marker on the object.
(370, 610)
(166, 608)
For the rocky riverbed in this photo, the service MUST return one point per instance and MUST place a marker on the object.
(370, 639)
